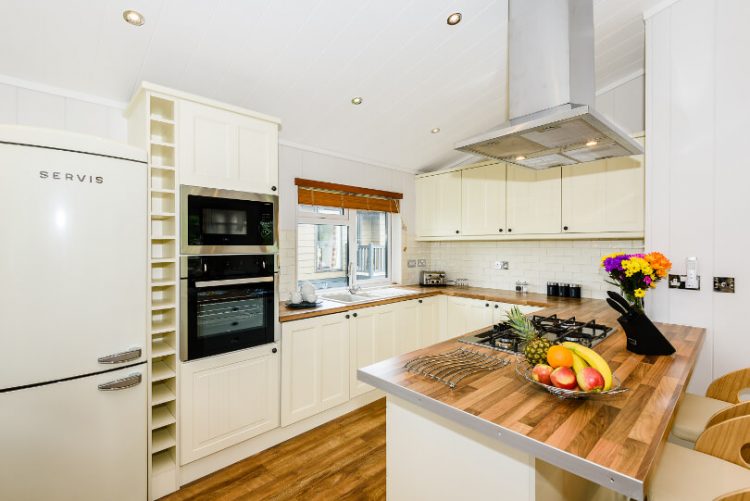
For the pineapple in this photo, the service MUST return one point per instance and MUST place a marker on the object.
(536, 346)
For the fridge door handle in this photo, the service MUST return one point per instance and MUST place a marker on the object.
(122, 384)
(122, 357)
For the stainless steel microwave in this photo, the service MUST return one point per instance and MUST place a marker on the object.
(216, 221)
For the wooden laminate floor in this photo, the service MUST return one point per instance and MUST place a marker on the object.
(342, 459)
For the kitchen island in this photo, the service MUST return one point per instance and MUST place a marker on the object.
(495, 436)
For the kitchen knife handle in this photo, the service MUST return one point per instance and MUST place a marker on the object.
(122, 357)
(122, 384)
(619, 299)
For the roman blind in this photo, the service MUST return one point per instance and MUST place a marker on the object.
(345, 196)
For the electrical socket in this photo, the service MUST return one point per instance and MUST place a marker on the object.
(502, 265)
(421, 263)
(411, 263)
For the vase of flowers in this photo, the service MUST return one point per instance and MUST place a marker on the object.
(635, 275)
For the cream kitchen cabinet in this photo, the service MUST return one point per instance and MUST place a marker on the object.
(483, 199)
(500, 311)
(228, 150)
(438, 202)
(465, 315)
(431, 320)
(372, 338)
(314, 366)
(227, 399)
(534, 200)
(603, 196)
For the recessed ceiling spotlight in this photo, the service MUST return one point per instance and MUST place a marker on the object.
(357, 100)
(520, 157)
(454, 19)
(133, 17)
(593, 142)
(435, 130)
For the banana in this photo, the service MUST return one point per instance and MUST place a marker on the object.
(578, 362)
(594, 360)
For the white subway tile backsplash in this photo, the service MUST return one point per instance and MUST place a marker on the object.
(536, 262)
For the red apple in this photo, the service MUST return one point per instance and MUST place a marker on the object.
(541, 373)
(563, 377)
(590, 379)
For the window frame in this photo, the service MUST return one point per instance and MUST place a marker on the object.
(349, 219)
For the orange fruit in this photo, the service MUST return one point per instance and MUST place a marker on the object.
(559, 356)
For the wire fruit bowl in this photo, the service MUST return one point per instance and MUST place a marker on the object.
(524, 370)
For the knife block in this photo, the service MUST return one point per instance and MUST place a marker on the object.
(643, 336)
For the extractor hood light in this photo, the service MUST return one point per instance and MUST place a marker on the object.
(520, 157)
(435, 130)
(357, 101)
(593, 142)
(454, 19)
(133, 17)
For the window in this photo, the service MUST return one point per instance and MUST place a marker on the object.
(329, 238)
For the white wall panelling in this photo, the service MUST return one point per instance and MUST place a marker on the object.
(697, 175)
(27, 106)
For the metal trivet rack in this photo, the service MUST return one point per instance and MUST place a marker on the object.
(451, 367)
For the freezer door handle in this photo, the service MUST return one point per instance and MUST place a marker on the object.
(122, 384)
(122, 357)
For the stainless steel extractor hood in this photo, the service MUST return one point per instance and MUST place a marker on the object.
(551, 120)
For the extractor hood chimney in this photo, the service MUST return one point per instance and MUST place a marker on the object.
(551, 91)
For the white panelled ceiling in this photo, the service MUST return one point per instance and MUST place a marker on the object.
(303, 61)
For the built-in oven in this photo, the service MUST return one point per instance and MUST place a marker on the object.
(227, 303)
(216, 221)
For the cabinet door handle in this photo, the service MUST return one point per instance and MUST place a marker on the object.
(510, 229)
(347, 316)
(354, 314)
(500, 230)
(565, 228)
(274, 350)
(420, 301)
(497, 306)
(457, 232)
(273, 188)
(122, 357)
(487, 305)
(122, 384)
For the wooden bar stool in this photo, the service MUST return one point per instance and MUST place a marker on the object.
(743, 495)
(718, 465)
(695, 412)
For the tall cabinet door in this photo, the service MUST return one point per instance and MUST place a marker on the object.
(314, 366)
(439, 204)
(208, 146)
(258, 155)
(227, 399)
(483, 200)
(372, 338)
(534, 200)
(603, 196)
(222, 149)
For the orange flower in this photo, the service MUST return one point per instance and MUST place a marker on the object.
(659, 263)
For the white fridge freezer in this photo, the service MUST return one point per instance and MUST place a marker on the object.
(73, 317)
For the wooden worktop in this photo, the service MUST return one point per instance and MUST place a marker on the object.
(287, 314)
(612, 441)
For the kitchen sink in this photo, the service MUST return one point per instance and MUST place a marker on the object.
(364, 296)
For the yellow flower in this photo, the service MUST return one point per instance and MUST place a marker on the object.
(639, 293)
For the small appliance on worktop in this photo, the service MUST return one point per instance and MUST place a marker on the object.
(503, 338)
(432, 278)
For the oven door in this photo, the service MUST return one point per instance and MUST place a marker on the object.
(220, 316)
(227, 222)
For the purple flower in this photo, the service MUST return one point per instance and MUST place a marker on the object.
(614, 263)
